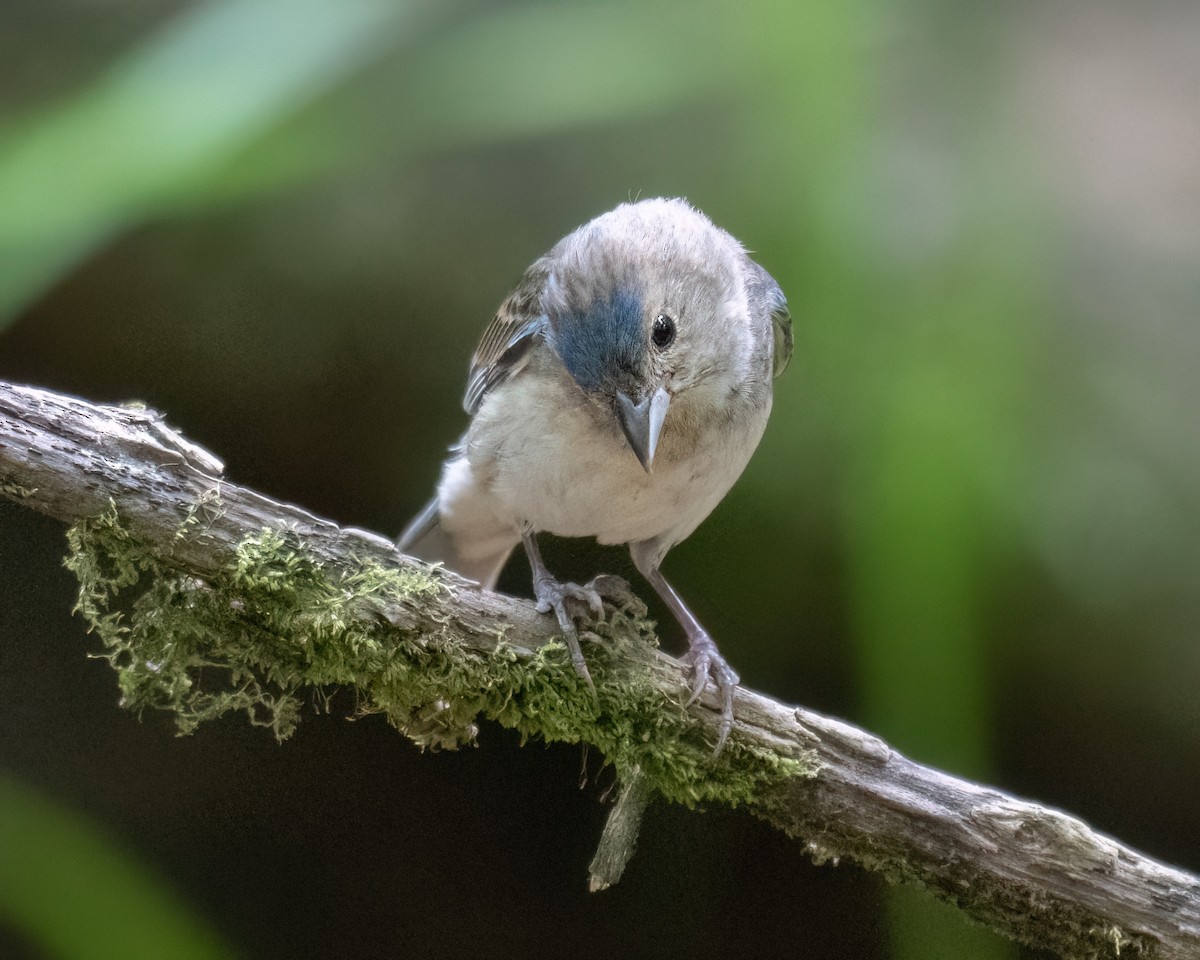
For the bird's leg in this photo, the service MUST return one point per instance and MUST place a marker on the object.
(553, 595)
(705, 659)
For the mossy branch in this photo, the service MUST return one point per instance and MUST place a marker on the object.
(211, 598)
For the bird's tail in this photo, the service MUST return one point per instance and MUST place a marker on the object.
(480, 556)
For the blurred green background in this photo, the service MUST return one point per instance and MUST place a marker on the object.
(973, 524)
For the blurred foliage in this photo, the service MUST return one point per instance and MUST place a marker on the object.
(75, 892)
(144, 135)
(974, 522)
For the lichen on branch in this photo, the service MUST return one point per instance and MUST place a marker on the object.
(276, 626)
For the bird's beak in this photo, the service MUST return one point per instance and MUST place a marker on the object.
(642, 423)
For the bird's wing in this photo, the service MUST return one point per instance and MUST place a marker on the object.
(764, 290)
(504, 347)
(781, 324)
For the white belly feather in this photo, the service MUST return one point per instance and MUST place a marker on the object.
(553, 460)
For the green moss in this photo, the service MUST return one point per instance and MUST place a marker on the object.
(277, 626)
(16, 491)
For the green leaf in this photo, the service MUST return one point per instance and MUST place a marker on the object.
(161, 118)
(77, 894)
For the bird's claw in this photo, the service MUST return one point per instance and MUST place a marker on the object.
(552, 595)
(617, 592)
(706, 663)
(561, 598)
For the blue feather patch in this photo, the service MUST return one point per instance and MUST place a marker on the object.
(603, 340)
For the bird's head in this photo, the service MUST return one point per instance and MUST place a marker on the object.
(662, 320)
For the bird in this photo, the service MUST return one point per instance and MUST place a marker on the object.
(618, 393)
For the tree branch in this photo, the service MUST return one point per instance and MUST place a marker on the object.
(283, 600)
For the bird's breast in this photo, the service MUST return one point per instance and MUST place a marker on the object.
(552, 459)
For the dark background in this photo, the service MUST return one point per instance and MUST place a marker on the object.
(973, 524)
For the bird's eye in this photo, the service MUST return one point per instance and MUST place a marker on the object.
(662, 333)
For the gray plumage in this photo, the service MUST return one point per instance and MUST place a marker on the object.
(618, 393)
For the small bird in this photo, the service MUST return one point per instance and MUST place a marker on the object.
(618, 393)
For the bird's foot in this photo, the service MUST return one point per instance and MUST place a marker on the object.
(618, 593)
(706, 663)
(584, 600)
(570, 601)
